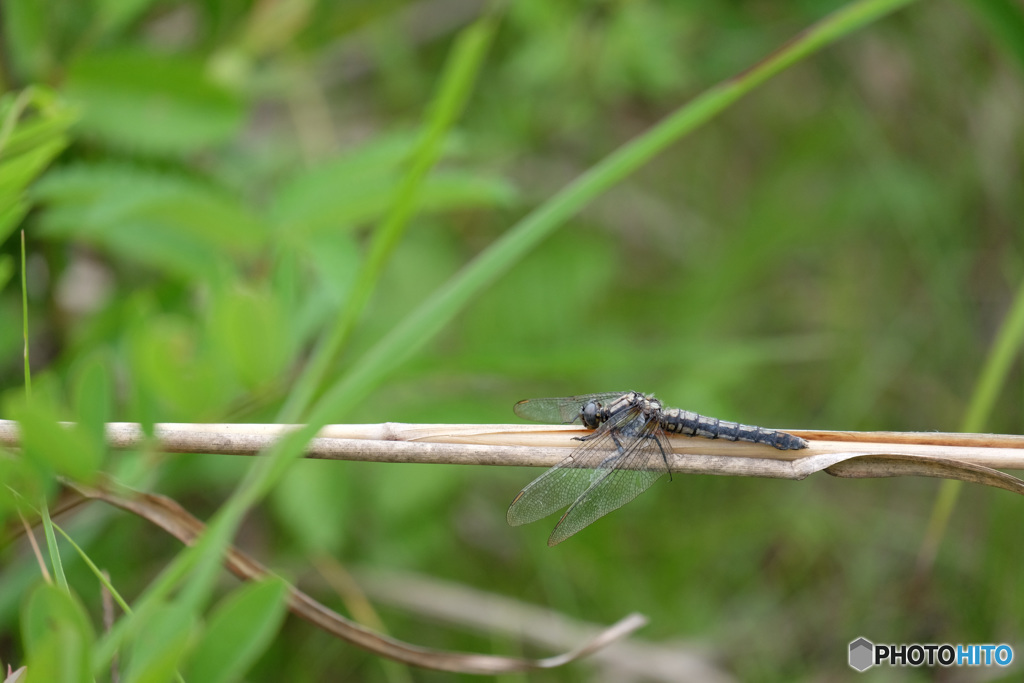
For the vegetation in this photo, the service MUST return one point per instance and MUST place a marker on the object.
(291, 211)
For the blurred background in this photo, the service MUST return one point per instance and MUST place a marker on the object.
(836, 251)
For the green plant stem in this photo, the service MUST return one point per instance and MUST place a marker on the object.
(456, 83)
(993, 376)
(431, 316)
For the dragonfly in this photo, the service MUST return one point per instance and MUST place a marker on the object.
(626, 453)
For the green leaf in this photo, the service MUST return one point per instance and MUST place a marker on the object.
(334, 257)
(174, 368)
(411, 489)
(58, 636)
(50, 119)
(18, 171)
(67, 450)
(239, 629)
(32, 127)
(22, 481)
(6, 269)
(93, 397)
(161, 640)
(313, 502)
(252, 334)
(112, 15)
(155, 103)
(25, 30)
(158, 219)
(331, 198)
(309, 190)
(12, 211)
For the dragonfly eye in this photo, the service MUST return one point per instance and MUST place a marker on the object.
(589, 414)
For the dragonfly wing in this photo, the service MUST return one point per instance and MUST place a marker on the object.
(633, 473)
(566, 481)
(553, 490)
(561, 410)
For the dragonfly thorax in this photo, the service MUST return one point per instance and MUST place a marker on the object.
(593, 414)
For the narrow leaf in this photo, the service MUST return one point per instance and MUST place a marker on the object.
(68, 450)
(239, 629)
(57, 635)
(161, 639)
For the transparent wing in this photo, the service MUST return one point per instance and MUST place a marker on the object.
(566, 481)
(563, 410)
(630, 474)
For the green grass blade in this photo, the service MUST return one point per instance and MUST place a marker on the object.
(435, 312)
(453, 91)
(51, 544)
(238, 630)
(997, 367)
(57, 635)
(97, 572)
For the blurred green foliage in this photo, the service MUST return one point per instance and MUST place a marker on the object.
(199, 182)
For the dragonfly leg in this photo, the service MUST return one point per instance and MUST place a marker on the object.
(620, 451)
(664, 456)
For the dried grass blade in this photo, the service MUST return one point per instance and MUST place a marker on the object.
(894, 465)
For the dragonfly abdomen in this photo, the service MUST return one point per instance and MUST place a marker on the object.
(676, 421)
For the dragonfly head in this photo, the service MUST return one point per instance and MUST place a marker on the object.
(590, 413)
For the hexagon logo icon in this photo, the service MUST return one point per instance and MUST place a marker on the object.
(862, 653)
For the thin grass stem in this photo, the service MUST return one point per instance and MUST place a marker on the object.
(993, 376)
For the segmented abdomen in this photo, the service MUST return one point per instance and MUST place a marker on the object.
(676, 421)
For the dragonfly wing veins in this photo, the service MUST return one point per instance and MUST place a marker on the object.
(562, 410)
(642, 461)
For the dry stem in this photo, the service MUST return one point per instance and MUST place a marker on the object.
(971, 457)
